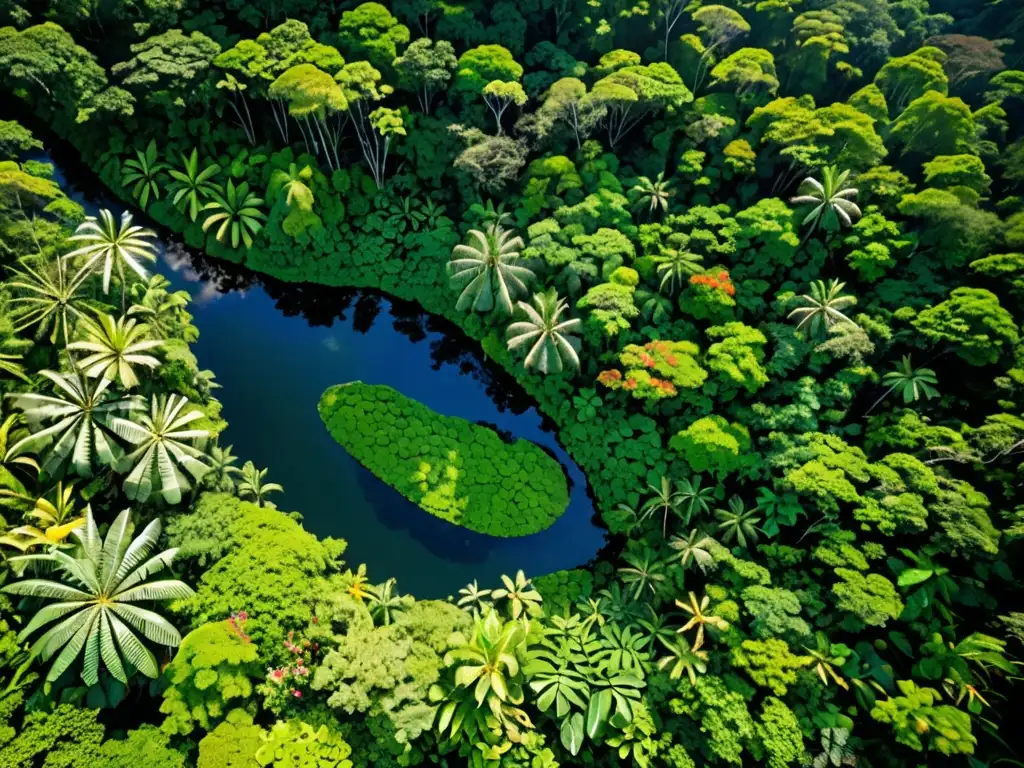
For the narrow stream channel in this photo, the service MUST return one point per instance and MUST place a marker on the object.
(276, 347)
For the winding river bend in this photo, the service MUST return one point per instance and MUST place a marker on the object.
(276, 347)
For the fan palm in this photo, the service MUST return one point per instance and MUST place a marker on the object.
(487, 272)
(162, 450)
(675, 268)
(695, 547)
(191, 186)
(666, 500)
(823, 307)
(682, 658)
(911, 382)
(237, 210)
(116, 245)
(655, 628)
(473, 598)
(694, 499)
(115, 347)
(252, 484)
(384, 602)
(97, 615)
(552, 349)
(143, 172)
(654, 195)
(222, 469)
(81, 411)
(521, 595)
(700, 619)
(643, 570)
(738, 523)
(57, 518)
(830, 198)
(45, 297)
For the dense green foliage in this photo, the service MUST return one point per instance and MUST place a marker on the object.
(458, 471)
(785, 241)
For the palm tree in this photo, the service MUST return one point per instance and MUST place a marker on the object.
(115, 245)
(830, 198)
(487, 273)
(143, 172)
(359, 589)
(521, 595)
(252, 484)
(654, 195)
(384, 602)
(222, 472)
(163, 311)
(682, 658)
(665, 500)
(699, 619)
(191, 186)
(473, 598)
(295, 184)
(162, 450)
(676, 267)
(98, 593)
(693, 498)
(911, 382)
(552, 348)
(644, 570)
(738, 523)
(81, 411)
(695, 547)
(822, 308)
(47, 298)
(57, 518)
(237, 210)
(115, 347)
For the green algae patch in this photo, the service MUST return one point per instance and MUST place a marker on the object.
(454, 469)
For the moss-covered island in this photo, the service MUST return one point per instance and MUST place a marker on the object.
(454, 469)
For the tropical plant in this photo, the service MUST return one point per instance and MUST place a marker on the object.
(252, 485)
(928, 583)
(472, 598)
(384, 602)
(666, 500)
(910, 382)
(191, 187)
(162, 449)
(653, 195)
(360, 588)
(737, 522)
(82, 412)
(693, 499)
(644, 570)
(406, 213)
(486, 274)
(695, 547)
(144, 171)
(835, 750)
(682, 657)
(12, 490)
(826, 660)
(520, 594)
(295, 183)
(237, 210)
(492, 215)
(700, 619)
(221, 476)
(57, 518)
(163, 311)
(115, 245)
(11, 363)
(823, 308)
(830, 198)
(46, 298)
(101, 584)
(115, 348)
(655, 627)
(488, 662)
(778, 510)
(552, 349)
(676, 267)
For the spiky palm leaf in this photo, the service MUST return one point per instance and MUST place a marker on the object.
(644, 570)
(520, 593)
(473, 598)
(823, 308)
(695, 547)
(115, 245)
(96, 613)
(164, 312)
(552, 349)
(80, 415)
(237, 210)
(700, 619)
(676, 267)
(222, 469)
(163, 450)
(912, 383)
(486, 273)
(12, 490)
(190, 186)
(144, 172)
(683, 658)
(46, 298)
(666, 500)
(384, 602)
(115, 347)
(738, 523)
(830, 198)
(252, 484)
(11, 364)
(655, 195)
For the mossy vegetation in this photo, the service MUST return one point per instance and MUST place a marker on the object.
(454, 469)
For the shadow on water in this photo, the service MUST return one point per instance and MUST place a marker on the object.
(275, 347)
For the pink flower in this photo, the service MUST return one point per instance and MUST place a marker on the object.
(297, 694)
(277, 675)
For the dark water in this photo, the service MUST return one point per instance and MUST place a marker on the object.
(276, 347)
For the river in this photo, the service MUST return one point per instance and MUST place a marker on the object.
(276, 347)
